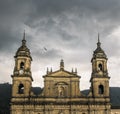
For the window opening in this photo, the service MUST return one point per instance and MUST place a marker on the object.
(100, 67)
(21, 89)
(101, 89)
(22, 65)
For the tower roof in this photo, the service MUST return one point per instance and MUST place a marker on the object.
(23, 49)
(99, 52)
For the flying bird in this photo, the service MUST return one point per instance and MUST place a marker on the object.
(45, 48)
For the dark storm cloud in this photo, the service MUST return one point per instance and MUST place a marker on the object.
(89, 17)
(101, 10)
(12, 16)
(15, 15)
(67, 28)
(56, 7)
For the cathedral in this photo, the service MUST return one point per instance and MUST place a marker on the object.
(61, 93)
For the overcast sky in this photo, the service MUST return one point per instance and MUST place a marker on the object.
(60, 29)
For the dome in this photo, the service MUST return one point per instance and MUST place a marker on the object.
(99, 52)
(23, 50)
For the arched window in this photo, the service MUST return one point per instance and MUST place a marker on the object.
(22, 65)
(100, 67)
(21, 89)
(101, 89)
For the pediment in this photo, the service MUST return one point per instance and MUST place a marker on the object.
(62, 73)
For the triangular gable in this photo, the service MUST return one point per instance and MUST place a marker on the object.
(61, 73)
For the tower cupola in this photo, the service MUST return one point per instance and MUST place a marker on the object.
(99, 61)
(23, 59)
(23, 49)
(99, 53)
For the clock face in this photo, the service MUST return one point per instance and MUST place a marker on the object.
(21, 71)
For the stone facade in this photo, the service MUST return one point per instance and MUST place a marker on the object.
(61, 93)
(115, 110)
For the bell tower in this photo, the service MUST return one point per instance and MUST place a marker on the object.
(99, 77)
(22, 77)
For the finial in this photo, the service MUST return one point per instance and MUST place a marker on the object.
(47, 70)
(98, 37)
(75, 70)
(24, 35)
(62, 65)
(24, 41)
(98, 44)
(72, 70)
(51, 69)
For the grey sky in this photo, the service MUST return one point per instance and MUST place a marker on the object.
(67, 29)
